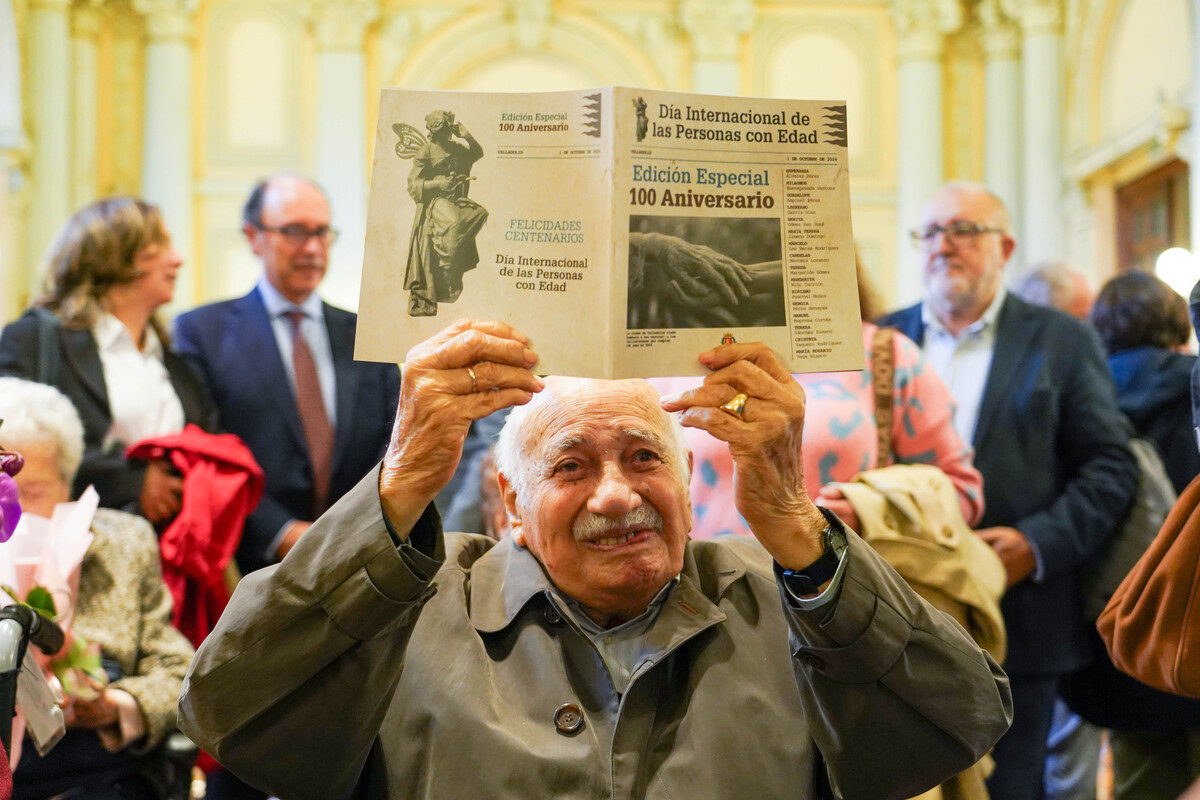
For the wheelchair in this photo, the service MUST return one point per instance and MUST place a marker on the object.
(167, 768)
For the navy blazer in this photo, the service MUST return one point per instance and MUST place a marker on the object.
(1053, 450)
(233, 346)
(81, 378)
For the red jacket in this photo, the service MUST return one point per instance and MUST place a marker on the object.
(222, 483)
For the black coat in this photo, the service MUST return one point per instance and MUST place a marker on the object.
(81, 378)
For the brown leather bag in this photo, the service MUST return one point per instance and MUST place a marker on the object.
(1151, 626)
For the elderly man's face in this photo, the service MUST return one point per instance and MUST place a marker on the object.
(963, 278)
(607, 510)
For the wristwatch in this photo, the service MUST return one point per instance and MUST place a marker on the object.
(803, 584)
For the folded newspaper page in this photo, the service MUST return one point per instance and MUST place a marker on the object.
(623, 230)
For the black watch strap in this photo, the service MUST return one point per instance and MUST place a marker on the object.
(807, 581)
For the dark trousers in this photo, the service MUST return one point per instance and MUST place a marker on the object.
(1021, 753)
(224, 785)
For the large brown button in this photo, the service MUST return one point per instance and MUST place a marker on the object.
(568, 719)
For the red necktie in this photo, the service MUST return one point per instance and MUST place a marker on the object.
(313, 417)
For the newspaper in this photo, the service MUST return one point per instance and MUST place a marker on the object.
(623, 230)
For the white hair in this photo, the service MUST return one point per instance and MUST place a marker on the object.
(510, 452)
(34, 413)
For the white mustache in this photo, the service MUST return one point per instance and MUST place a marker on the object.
(588, 526)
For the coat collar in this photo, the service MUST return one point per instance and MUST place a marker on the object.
(508, 577)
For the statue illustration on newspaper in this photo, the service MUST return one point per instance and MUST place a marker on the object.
(442, 247)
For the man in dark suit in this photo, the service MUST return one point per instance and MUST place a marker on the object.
(1034, 396)
(280, 364)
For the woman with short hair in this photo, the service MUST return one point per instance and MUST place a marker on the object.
(122, 605)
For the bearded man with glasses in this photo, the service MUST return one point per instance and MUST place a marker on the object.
(1035, 398)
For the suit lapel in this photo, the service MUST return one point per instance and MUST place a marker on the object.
(83, 356)
(341, 342)
(263, 363)
(1014, 334)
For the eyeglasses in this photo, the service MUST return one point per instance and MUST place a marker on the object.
(297, 235)
(959, 234)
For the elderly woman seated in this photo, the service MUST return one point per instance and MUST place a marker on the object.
(122, 604)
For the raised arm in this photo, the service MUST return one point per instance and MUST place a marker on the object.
(318, 642)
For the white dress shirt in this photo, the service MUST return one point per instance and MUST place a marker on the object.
(315, 332)
(140, 395)
(963, 361)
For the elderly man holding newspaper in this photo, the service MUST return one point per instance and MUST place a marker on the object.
(597, 651)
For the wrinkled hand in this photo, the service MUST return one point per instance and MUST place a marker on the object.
(1014, 551)
(832, 498)
(92, 713)
(768, 480)
(691, 275)
(438, 403)
(162, 491)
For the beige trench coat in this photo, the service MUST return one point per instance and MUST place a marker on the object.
(344, 657)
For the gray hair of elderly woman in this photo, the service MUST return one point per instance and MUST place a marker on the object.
(1137, 309)
(509, 450)
(34, 413)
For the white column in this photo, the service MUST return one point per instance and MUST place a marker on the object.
(85, 24)
(50, 102)
(716, 28)
(341, 168)
(16, 273)
(1042, 92)
(921, 26)
(1194, 166)
(167, 157)
(1002, 107)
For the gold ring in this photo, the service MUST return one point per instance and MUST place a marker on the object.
(474, 383)
(736, 406)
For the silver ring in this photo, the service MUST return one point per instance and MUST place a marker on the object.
(474, 382)
(736, 406)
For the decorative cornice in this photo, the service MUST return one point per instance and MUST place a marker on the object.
(85, 20)
(922, 26)
(715, 26)
(342, 24)
(167, 20)
(1036, 17)
(1000, 34)
(50, 5)
(530, 22)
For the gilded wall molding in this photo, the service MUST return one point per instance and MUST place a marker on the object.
(716, 26)
(998, 30)
(341, 24)
(530, 22)
(167, 20)
(923, 25)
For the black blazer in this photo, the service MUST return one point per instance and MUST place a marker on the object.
(1053, 450)
(81, 378)
(232, 345)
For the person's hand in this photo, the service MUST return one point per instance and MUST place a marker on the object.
(768, 484)
(832, 498)
(439, 399)
(291, 536)
(162, 491)
(1014, 550)
(439, 183)
(691, 276)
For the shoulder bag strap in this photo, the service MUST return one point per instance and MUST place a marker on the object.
(883, 374)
